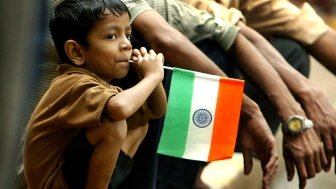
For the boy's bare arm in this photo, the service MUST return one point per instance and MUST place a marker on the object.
(125, 103)
(157, 102)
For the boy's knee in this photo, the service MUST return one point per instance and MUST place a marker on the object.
(113, 132)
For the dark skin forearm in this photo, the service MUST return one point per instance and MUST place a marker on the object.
(295, 147)
(313, 101)
(157, 102)
(298, 85)
(168, 41)
(186, 56)
(253, 63)
(150, 67)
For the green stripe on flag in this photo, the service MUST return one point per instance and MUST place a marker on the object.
(178, 113)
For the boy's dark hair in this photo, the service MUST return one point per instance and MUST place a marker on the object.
(73, 19)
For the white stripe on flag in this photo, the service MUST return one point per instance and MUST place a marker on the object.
(204, 96)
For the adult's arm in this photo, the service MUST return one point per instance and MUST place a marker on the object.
(301, 23)
(177, 49)
(180, 52)
(312, 100)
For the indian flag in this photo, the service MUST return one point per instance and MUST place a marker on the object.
(202, 116)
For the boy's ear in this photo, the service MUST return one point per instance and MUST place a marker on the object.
(75, 52)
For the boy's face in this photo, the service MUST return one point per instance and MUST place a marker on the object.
(109, 49)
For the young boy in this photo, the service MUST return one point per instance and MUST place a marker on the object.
(84, 131)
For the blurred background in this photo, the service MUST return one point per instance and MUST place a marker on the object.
(20, 36)
(20, 52)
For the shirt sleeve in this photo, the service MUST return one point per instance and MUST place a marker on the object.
(283, 18)
(231, 15)
(198, 25)
(136, 7)
(86, 101)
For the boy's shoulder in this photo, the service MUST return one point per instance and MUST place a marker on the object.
(73, 76)
(70, 73)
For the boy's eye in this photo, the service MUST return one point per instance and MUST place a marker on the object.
(128, 36)
(112, 36)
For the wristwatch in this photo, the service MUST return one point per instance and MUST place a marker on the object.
(296, 124)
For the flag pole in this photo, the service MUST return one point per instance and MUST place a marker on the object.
(165, 67)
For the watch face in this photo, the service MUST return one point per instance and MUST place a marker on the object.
(295, 125)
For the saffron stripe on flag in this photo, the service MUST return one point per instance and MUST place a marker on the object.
(227, 114)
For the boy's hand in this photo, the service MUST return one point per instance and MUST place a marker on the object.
(148, 63)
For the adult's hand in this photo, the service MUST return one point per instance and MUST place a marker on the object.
(305, 152)
(314, 103)
(323, 115)
(256, 138)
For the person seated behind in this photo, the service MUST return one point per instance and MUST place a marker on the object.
(84, 131)
(248, 57)
(274, 18)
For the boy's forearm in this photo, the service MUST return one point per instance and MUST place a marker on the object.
(157, 101)
(125, 103)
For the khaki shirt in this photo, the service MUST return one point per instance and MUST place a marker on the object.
(195, 25)
(74, 100)
(269, 17)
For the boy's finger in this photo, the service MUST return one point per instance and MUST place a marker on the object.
(152, 51)
(160, 57)
(152, 54)
(136, 52)
(143, 51)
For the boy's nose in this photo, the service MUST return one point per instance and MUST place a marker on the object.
(126, 44)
